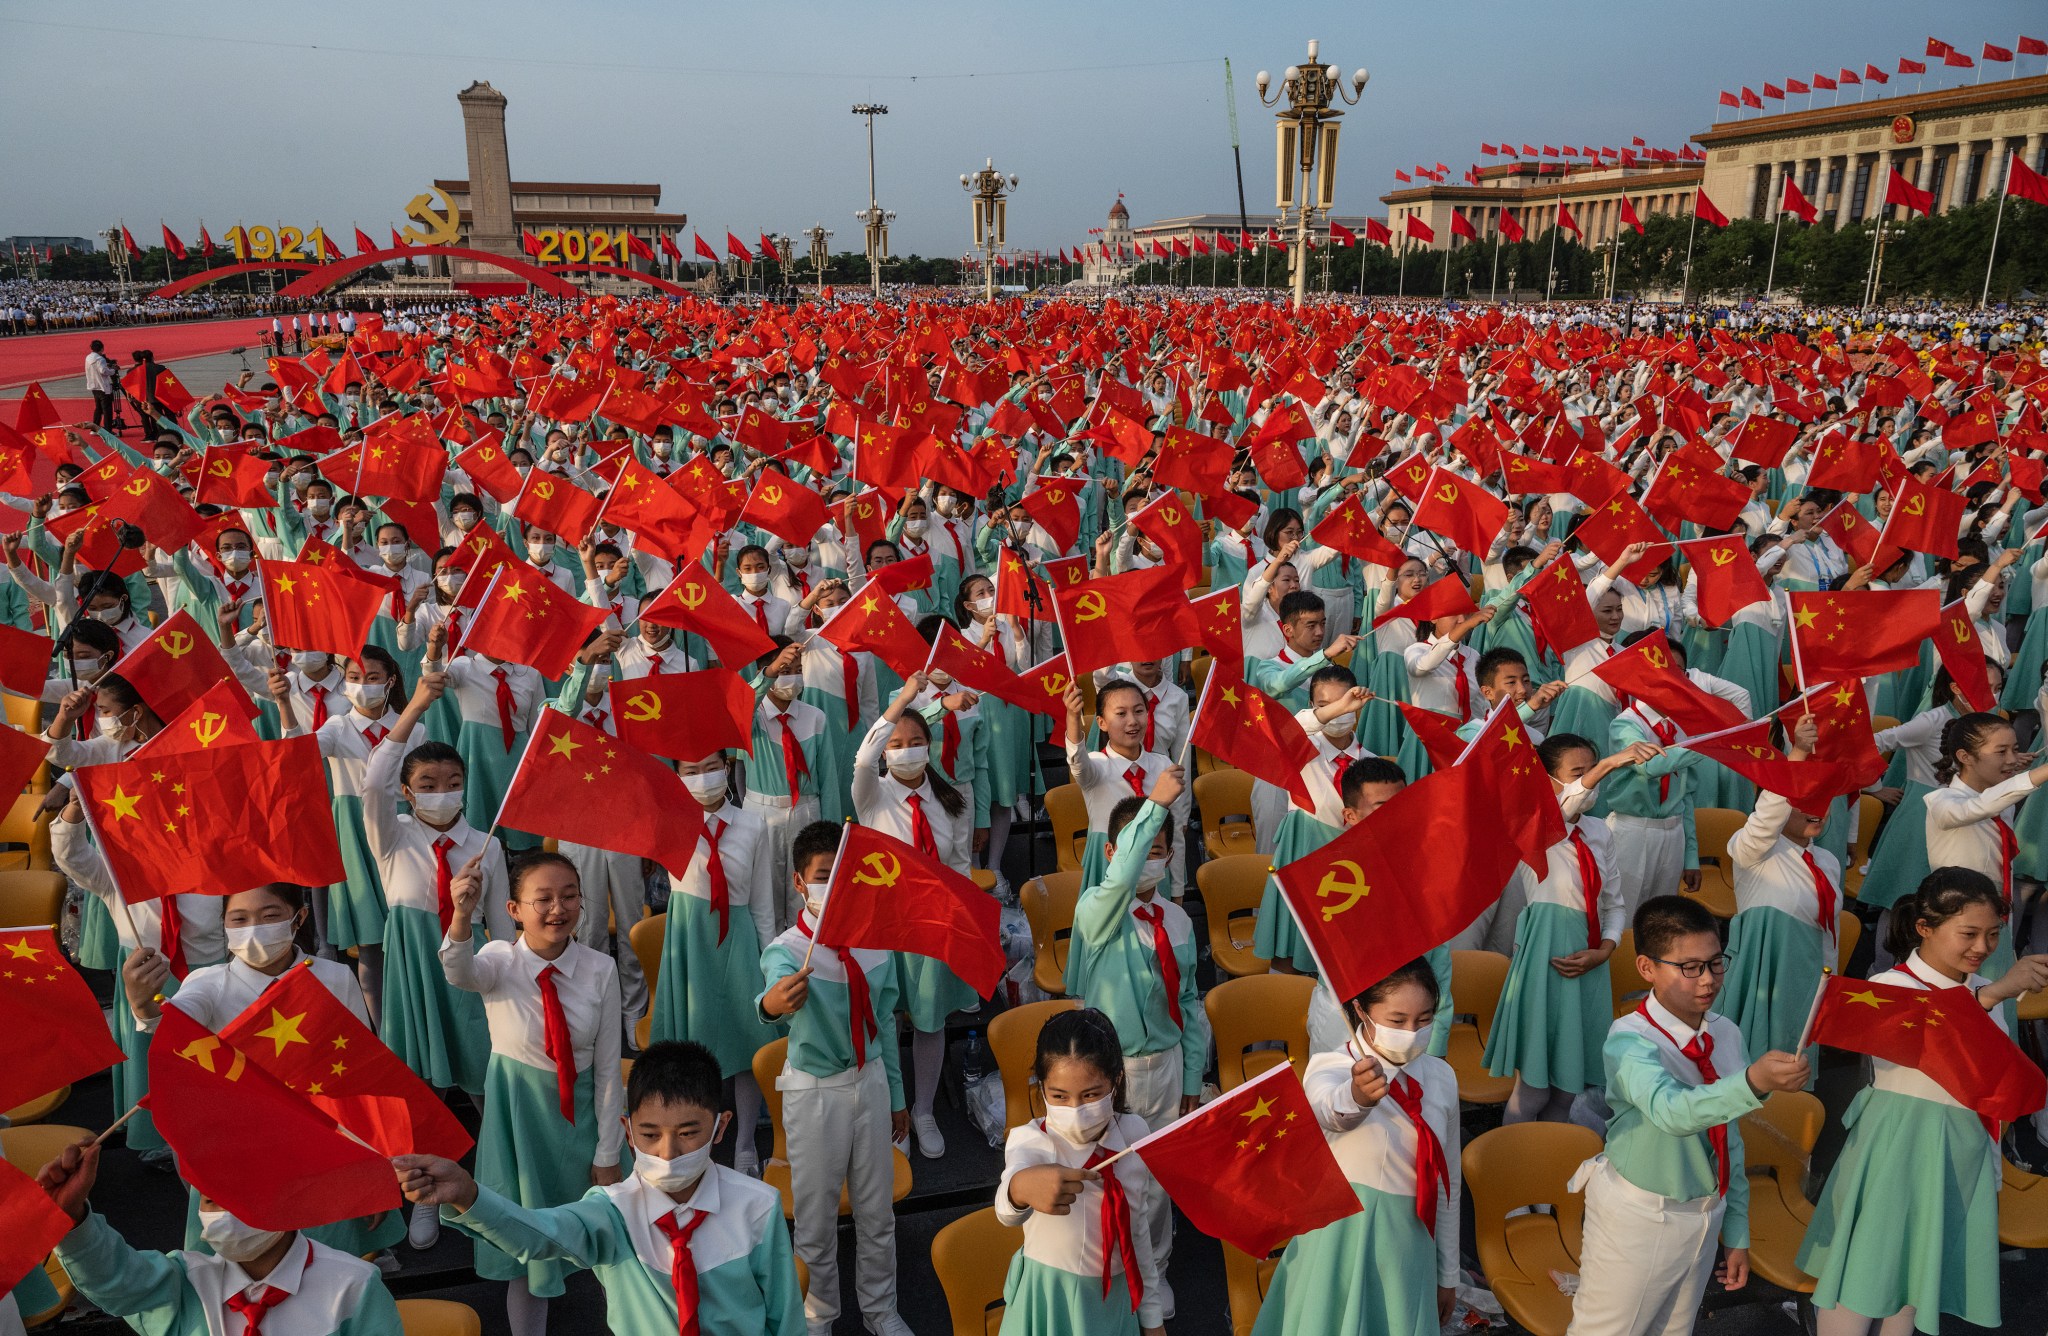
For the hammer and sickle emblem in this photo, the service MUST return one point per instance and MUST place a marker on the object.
(643, 707)
(885, 868)
(772, 494)
(1722, 556)
(1090, 607)
(137, 486)
(1352, 887)
(208, 727)
(862, 510)
(1055, 683)
(1170, 515)
(220, 468)
(1961, 630)
(201, 1051)
(544, 490)
(1447, 494)
(1416, 474)
(487, 453)
(691, 597)
(1654, 657)
(436, 229)
(176, 643)
(1916, 506)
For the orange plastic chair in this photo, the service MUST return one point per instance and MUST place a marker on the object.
(1259, 1008)
(1231, 888)
(1477, 978)
(1048, 902)
(646, 939)
(1624, 981)
(31, 899)
(972, 1256)
(1777, 1147)
(438, 1317)
(1013, 1039)
(1223, 797)
(1528, 1164)
(1245, 1282)
(1068, 814)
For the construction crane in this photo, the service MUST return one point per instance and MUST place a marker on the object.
(1244, 226)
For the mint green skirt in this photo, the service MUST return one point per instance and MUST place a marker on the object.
(706, 990)
(1042, 1300)
(1369, 1274)
(434, 1027)
(1774, 969)
(355, 904)
(1549, 1029)
(527, 1153)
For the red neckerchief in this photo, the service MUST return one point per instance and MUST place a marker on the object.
(1701, 1053)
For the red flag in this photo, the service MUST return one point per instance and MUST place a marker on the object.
(1461, 226)
(1172, 527)
(1876, 75)
(1511, 227)
(1957, 60)
(363, 243)
(702, 248)
(1615, 526)
(685, 716)
(979, 669)
(1939, 1032)
(696, 603)
(31, 1224)
(1863, 633)
(2033, 46)
(1559, 611)
(1796, 202)
(1962, 653)
(198, 1084)
(128, 241)
(557, 506)
(1648, 671)
(1810, 786)
(1628, 215)
(311, 607)
(1341, 235)
(303, 1035)
(1416, 228)
(210, 721)
(736, 249)
(1925, 518)
(485, 465)
(1461, 511)
(2025, 182)
(1242, 726)
(1136, 615)
(1251, 1167)
(872, 621)
(1765, 440)
(639, 248)
(524, 617)
(1704, 209)
(581, 784)
(231, 475)
(785, 508)
(1504, 753)
(24, 666)
(1438, 734)
(1728, 578)
(1567, 223)
(1443, 598)
(1190, 461)
(1844, 464)
(1774, 92)
(55, 1033)
(1750, 99)
(886, 896)
(217, 820)
(667, 525)
(171, 242)
(176, 665)
(1907, 65)
(1375, 230)
(152, 504)
(1347, 528)
(1220, 616)
(669, 247)
(1403, 881)
(1898, 190)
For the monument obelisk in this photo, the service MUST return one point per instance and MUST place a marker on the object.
(490, 170)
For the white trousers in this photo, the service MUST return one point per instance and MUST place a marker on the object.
(613, 890)
(838, 1133)
(1649, 856)
(784, 822)
(1646, 1259)
(1152, 1089)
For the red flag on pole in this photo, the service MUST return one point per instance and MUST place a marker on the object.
(887, 896)
(524, 617)
(1136, 615)
(1704, 209)
(581, 784)
(685, 716)
(1796, 202)
(1939, 1032)
(1864, 633)
(312, 607)
(171, 242)
(1898, 190)
(55, 1033)
(1244, 727)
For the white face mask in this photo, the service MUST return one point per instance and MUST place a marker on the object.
(111, 616)
(707, 786)
(450, 581)
(1399, 1047)
(306, 660)
(368, 695)
(1340, 729)
(814, 899)
(797, 557)
(261, 944)
(319, 508)
(540, 552)
(915, 528)
(600, 674)
(393, 554)
(672, 1175)
(1152, 873)
(981, 607)
(234, 1240)
(907, 763)
(465, 519)
(439, 808)
(787, 685)
(753, 581)
(110, 726)
(1081, 1124)
(235, 559)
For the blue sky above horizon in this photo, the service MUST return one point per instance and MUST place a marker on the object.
(339, 114)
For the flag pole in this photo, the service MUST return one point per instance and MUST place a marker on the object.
(524, 752)
(118, 1124)
(1771, 279)
(818, 929)
(1685, 279)
(1812, 1012)
(1984, 298)
(1187, 743)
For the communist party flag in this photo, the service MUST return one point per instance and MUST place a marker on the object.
(232, 475)
(176, 665)
(1648, 671)
(1446, 597)
(684, 716)
(1862, 633)
(871, 621)
(696, 603)
(485, 465)
(1136, 615)
(1251, 1167)
(1221, 619)
(1461, 511)
(1728, 578)
(1170, 525)
(1506, 756)
(1242, 726)
(1851, 532)
(1808, 785)
(1351, 531)
(310, 607)
(31, 1224)
(581, 784)
(55, 1033)
(887, 896)
(1559, 611)
(153, 505)
(1055, 509)
(1939, 1032)
(785, 508)
(1962, 654)
(524, 617)
(216, 819)
(1423, 866)
(304, 1035)
(200, 1086)
(556, 505)
(213, 720)
(1925, 518)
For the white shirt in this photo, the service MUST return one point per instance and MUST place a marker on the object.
(216, 994)
(404, 848)
(1074, 1242)
(1376, 1147)
(1962, 829)
(199, 916)
(738, 1213)
(474, 681)
(1434, 667)
(326, 1286)
(1771, 871)
(1920, 736)
(883, 802)
(742, 848)
(1561, 884)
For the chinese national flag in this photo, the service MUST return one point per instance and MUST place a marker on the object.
(684, 716)
(31, 1224)
(664, 521)
(1844, 464)
(1963, 655)
(524, 617)
(696, 603)
(1925, 518)
(176, 665)
(1192, 462)
(887, 896)
(1053, 505)
(556, 505)
(1221, 618)
(1692, 487)
(1504, 754)
(1940, 1032)
(1347, 528)
(24, 664)
(1608, 531)
(1406, 879)
(304, 1036)
(402, 458)
(55, 1033)
(1649, 672)
(1863, 633)
(311, 607)
(1841, 718)
(785, 508)
(1461, 511)
(1169, 523)
(1438, 734)
(975, 668)
(1136, 615)
(1728, 578)
(1252, 1167)
(217, 820)
(200, 1087)
(581, 784)
(1511, 226)
(1019, 591)
(1242, 726)
(1559, 611)
(485, 465)
(872, 621)
(1764, 439)
(1446, 597)
(231, 475)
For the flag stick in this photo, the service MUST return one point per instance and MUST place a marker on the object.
(1806, 1030)
(497, 818)
(1187, 743)
(1269, 1074)
(1998, 221)
(1771, 279)
(119, 1123)
(818, 929)
(1685, 279)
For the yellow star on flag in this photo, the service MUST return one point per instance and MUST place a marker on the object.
(1262, 1109)
(1867, 998)
(563, 745)
(285, 584)
(22, 950)
(283, 1030)
(123, 803)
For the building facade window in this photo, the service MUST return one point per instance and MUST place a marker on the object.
(1862, 192)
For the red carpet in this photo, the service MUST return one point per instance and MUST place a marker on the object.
(51, 357)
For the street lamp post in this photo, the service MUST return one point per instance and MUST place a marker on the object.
(991, 208)
(1305, 163)
(821, 254)
(875, 219)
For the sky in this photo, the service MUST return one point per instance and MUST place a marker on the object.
(340, 113)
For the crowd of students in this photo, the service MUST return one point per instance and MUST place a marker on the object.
(502, 974)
